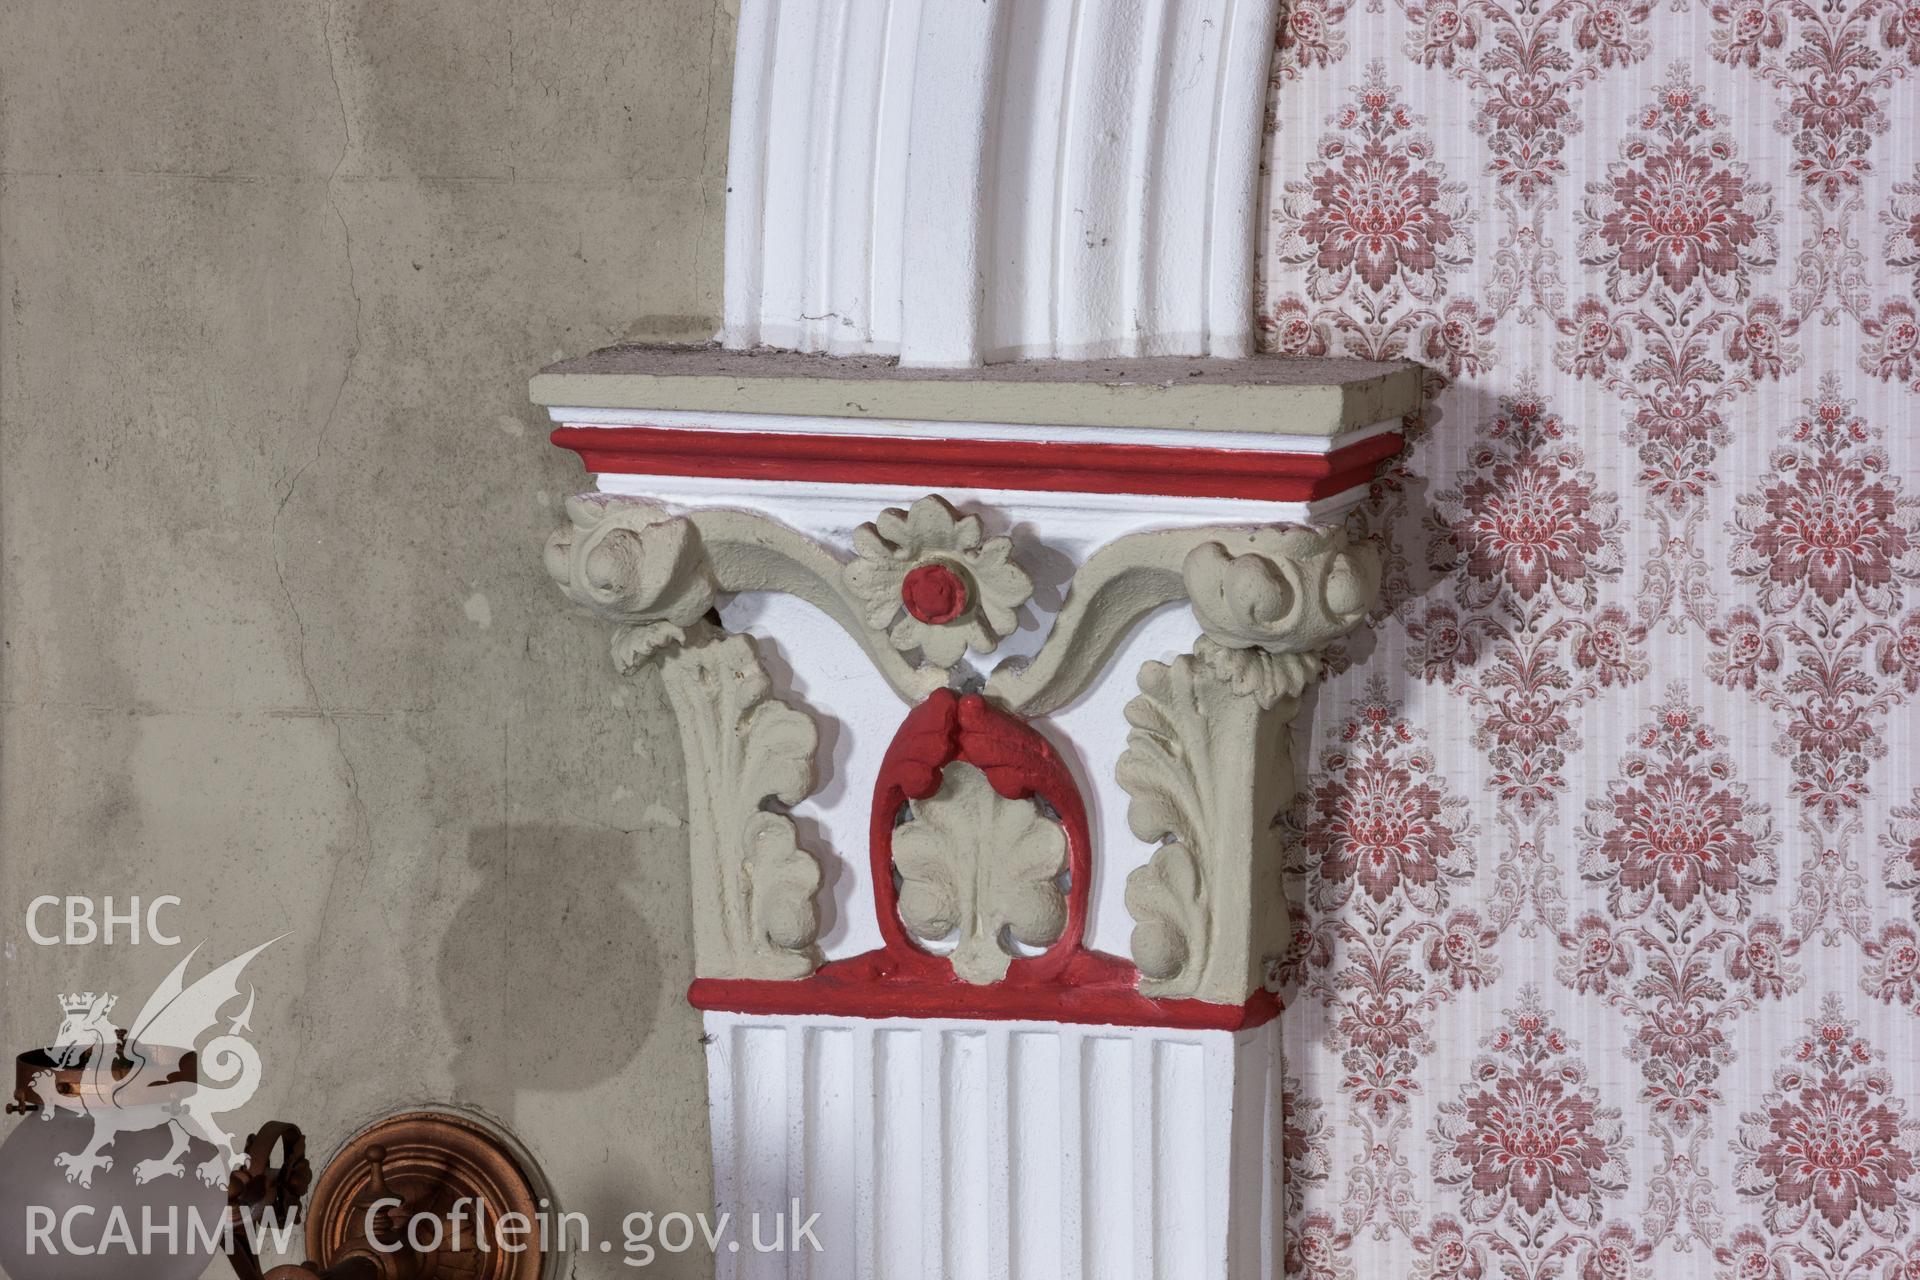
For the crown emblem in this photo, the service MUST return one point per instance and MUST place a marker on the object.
(80, 1002)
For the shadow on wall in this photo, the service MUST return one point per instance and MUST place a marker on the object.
(549, 977)
(1408, 579)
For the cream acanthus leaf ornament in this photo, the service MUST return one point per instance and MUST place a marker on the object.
(1209, 763)
(754, 886)
(1206, 768)
(973, 862)
(933, 581)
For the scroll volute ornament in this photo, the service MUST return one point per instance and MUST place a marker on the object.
(631, 564)
(1269, 610)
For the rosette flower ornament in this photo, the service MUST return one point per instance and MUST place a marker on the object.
(932, 580)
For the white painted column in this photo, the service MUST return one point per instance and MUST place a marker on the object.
(958, 183)
(1003, 1150)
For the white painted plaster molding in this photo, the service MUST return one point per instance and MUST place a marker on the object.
(1001, 1150)
(1082, 519)
(1071, 179)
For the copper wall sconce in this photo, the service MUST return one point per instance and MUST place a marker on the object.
(429, 1161)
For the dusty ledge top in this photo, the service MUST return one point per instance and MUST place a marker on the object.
(1277, 394)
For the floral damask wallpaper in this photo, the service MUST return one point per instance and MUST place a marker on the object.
(1608, 868)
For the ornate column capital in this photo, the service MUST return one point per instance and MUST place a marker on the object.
(1062, 657)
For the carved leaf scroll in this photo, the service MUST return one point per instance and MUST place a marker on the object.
(1208, 761)
(975, 862)
(1168, 770)
(1268, 612)
(1269, 599)
(654, 575)
(1207, 769)
(754, 910)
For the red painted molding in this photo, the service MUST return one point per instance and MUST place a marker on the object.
(1019, 763)
(982, 464)
(1097, 989)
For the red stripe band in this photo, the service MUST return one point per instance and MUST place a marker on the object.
(1263, 475)
(824, 995)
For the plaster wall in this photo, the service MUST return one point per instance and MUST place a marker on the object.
(274, 631)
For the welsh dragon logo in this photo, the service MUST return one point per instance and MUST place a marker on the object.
(145, 1088)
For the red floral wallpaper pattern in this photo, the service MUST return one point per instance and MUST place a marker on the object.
(1607, 870)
